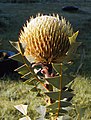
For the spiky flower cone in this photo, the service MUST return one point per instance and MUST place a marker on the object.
(46, 38)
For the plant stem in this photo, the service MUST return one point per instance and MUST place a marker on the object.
(60, 91)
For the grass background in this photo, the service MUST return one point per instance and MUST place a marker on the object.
(12, 89)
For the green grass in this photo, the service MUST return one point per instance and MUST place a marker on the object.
(82, 98)
(14, 91)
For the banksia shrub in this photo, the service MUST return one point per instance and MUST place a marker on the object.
(48, 44)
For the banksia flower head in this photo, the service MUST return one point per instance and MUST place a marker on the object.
(47, 38)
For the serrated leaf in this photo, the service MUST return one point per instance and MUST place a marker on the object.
(41, 110)
(22, 70)
(72, 39)
(65, 104)
(57, 67)
(22, 108)
(66, 117)
(30, 81)
(66, 79)
(53, 106)
(66, 94)
(73, 48)
(55, 110)
(25, 118)
(18, 46)
(39, 94)
(15, 45)
(64, 67)
(20, 58)
(21, 48)
(62, 111)
(55, 95)
(17, 57)
(27, 75)
(34, 89)
(55, 81)
(56, 105)
(71, 54)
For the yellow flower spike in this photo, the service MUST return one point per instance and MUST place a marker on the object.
(47, 38)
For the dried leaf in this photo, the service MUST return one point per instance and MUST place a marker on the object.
(25, 118)
(22, 108)
(41, 110)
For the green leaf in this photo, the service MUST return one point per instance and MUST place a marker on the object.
(73, 48)
(57, 67)
(17, 57)
(72, 39)
(66, 79)
(66, 94)
(61, 111)
(22, 70)
(55, 81)
(34, 89)
(56, 105)
(55, 110)
(71, 54)
(20, 58)
(55, 95)
(27, 75)
(32, 81)
(64, 67)
(21, 48)
(53, 106)
(15, 45)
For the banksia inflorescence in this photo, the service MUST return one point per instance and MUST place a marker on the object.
(47, 38)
